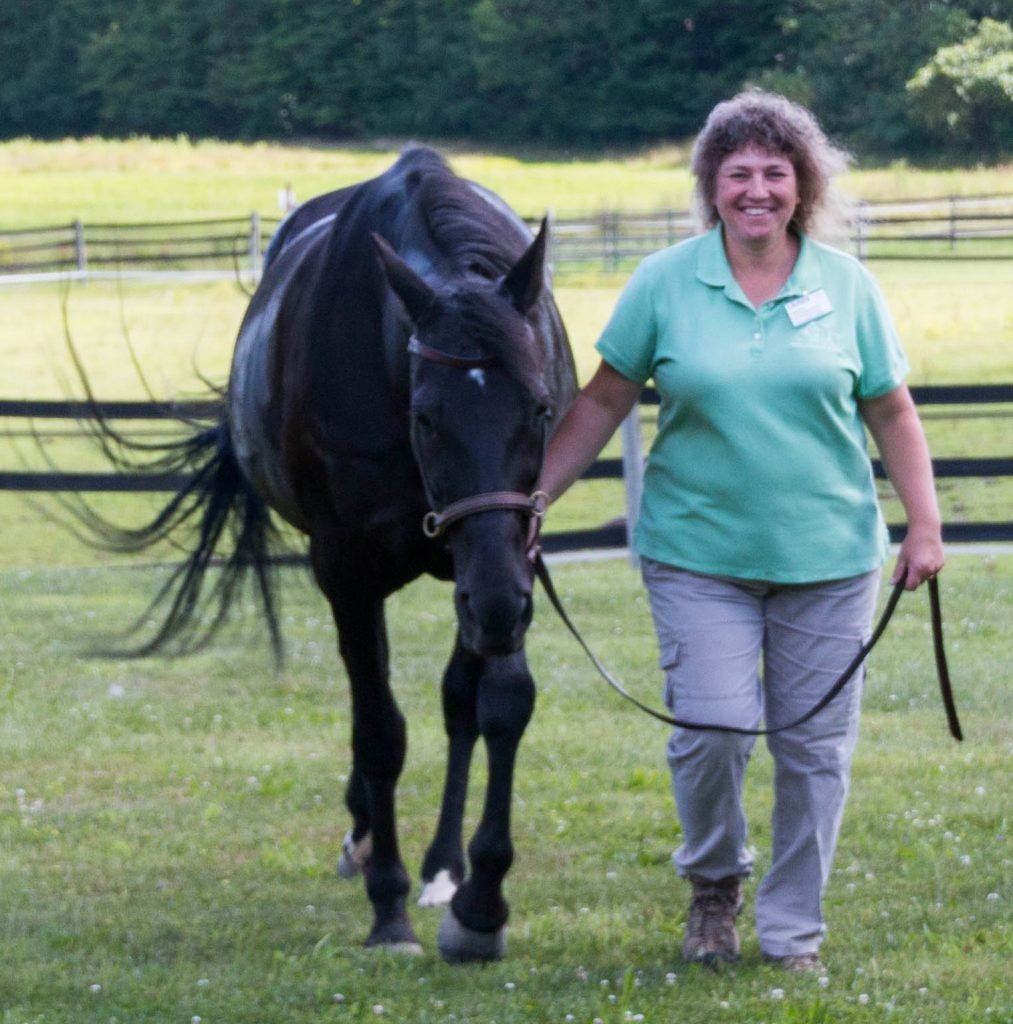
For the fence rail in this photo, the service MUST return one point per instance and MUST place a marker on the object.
(614, 534)
(951, 227)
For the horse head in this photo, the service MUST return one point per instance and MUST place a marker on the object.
(479, 409)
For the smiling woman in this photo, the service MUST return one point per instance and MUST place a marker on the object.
(759, 530)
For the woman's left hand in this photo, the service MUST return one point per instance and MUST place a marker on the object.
(921, 556)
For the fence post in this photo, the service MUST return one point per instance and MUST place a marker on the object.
(861, 230)
(633, 475)
(255, 243)
(953, 223)
(80, 251)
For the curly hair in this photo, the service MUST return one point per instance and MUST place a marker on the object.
(776, 125)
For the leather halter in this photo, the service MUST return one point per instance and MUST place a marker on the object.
(435, 523)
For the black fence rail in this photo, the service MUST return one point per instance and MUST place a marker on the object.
(997, 397)
(951, 227)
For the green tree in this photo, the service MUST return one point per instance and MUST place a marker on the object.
(965, 92)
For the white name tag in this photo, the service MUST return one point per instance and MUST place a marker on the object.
(808, 307)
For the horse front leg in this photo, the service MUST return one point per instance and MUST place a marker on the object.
(443, 868)
(378, 751)
(474, 927)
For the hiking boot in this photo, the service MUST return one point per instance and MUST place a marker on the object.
(710, 931)
(797, 963)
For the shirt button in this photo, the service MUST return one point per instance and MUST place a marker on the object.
(756, 335)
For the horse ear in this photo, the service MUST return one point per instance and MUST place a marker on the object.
(416, 295)
(524, 283)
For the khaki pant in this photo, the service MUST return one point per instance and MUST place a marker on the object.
(712, 634)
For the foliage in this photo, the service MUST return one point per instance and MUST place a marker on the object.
(571, 73)
(966, 91)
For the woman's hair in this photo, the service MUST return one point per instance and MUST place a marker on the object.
(776, 125)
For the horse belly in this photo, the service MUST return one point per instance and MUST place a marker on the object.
(254, 415)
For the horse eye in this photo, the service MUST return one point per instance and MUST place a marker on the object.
(543, 414)
(423, 421)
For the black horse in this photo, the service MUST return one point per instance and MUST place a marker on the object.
(392, 389)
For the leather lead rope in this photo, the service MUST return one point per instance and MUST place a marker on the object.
(542, 571)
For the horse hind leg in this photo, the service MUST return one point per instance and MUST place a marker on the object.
(358, 842)
(474, 927)
(443, 868)
(378, 752)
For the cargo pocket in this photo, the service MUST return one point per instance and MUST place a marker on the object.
(668, 662)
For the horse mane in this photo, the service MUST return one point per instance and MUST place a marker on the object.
(479, 240)
(471, 233)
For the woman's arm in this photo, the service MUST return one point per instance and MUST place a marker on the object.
(590, 421)
(893, 421)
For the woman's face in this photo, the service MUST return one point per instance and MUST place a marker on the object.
(756, 194)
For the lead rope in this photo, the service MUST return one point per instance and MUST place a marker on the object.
(542, 572)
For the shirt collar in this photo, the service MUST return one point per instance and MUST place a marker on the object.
(713, 268)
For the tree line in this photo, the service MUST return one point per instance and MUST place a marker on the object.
(926, 79)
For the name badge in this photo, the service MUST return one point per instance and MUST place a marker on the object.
(808, 307)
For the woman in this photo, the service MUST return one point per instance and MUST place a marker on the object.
(760, 534)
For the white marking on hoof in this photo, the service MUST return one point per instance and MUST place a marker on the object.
(354, 855)
(460, 945)
(438, 891)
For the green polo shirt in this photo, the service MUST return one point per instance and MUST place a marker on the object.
(759, 468)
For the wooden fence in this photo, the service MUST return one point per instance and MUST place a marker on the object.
(952, 227)
(629, 467)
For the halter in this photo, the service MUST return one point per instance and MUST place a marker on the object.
(435, 523)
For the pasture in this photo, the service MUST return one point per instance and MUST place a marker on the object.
(168, 829)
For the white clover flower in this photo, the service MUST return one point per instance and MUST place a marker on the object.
(823, 980)
(510, 986)
(777, 993)
(992, 897)
(203, 982)
(95, 989)
(863, 998)
(378, 1009)
(337, 998)
(671, 978)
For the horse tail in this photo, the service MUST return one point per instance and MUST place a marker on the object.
(214, 501)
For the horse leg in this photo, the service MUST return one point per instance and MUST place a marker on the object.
(358, 842)
(474, 927)
(443, 867)
(378, 752)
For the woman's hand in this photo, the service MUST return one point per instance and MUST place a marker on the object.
(921, 556)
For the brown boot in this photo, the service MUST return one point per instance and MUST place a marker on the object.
(710, 931)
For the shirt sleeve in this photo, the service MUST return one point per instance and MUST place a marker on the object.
(884, 364)
(629, 340)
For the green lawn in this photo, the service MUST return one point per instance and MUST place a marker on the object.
(142, 180)
(168, 830)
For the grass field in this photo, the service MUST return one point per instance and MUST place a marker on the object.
(162, 180)
(168, 829)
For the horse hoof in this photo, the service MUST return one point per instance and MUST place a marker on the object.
(354, 855)
(460, 945)
(438, 891)
(395, 937)
(398, 948)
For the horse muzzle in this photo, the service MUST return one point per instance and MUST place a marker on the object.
(493, 620)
